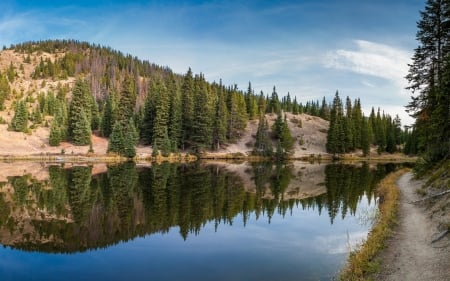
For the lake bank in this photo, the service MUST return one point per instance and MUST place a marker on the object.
(404, 244)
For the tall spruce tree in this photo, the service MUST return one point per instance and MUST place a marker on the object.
(429, 80)
(80, 103)
(202, 127)
(263, 143)
(220, 119)
(336, 136)
(176, 113)
(19, 122)
(81, 133)
(365, 136)
(116, 142)
(5, 90)
(109, 116)
(187, 101)
(162, 112)
(127, 101)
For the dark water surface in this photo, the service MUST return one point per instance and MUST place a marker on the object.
(184, 222)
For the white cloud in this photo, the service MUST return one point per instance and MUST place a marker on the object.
(340, 243)
(373, 59)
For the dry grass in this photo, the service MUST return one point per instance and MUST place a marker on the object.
(362, 262)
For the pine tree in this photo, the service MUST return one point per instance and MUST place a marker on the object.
(36, 116)
(127, 101)
(357, 123)
(146, 131)
(132, 132)
(202, 129)
(81, 134)
(166, 146)
(187, 101)
(286, 139)
(109, 116)
(55, 135)
(274, 105)
(365, 136)
(19, 123)
(336, 135)
(237, 117)
(116, 142)
(263, 143)
(349, 128)
(429, 81)
(220, 119)
(295, 107)
(95, 120)
(129, 142)
(5, 90)
(81, 103)
(262, 104)
(175, 126)
(324, 111)
(162, 112)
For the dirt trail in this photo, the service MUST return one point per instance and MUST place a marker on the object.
(409, 254)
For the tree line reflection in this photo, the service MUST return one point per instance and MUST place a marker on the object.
(75, 211)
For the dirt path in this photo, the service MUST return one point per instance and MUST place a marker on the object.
(409, 254)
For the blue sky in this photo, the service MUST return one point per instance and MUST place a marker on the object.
(310, 48)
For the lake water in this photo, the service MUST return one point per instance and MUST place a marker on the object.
(183, 222)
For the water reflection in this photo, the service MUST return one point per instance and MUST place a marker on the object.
(79, 208)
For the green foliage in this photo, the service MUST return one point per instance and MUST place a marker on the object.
(123, 139)
(220, 119)
(263, 143)
(162, 112)
(81, 134)
(429, 80)
(281, 132)
(36, 116)
(175, 127)
(274, 104)
(116, 139)
(55, 137)
(237, 114)
(80, 114)
(366, 134)
(5, 90)
(350, 130)
(11, 72)
(19, 123)
(109, 116)
(95, 119)
(202, 128)
(127, 101)
(155, 150)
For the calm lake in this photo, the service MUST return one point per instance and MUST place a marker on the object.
(218, 221)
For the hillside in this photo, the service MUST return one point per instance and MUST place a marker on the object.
(69, 97)
(38, 71)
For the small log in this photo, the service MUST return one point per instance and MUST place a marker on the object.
(432, 196)
(440, 236)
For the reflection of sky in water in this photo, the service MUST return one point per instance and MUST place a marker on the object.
(303, 246)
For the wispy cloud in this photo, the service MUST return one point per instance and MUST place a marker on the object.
(373, 59)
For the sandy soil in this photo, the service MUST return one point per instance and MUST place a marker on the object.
(410, 254)
(312, 132)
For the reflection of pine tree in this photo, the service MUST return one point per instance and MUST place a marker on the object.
(78, 192)
(20, 185)
(123, 179)
(280, 180)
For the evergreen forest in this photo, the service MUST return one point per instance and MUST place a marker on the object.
(132, 102)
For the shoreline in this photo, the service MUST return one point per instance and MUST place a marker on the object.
(187, 157)
(362, 262)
